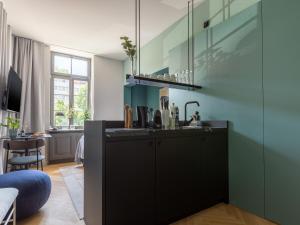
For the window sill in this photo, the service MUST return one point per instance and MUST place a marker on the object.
(65, 131)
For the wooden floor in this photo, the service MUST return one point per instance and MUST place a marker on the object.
(223, 215)
(59, 209)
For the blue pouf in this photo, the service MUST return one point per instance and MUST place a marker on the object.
(34, 190)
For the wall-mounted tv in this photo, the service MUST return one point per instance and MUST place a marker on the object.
(12, 96)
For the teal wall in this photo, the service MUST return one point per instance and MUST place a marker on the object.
(247, 63)
(170, 48)
(127, 95)
(282, 109)
(228, 60)
(229, 67)
(255, 85)
(228, 64)
(141, 96)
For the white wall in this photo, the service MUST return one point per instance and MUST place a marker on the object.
(108, 89)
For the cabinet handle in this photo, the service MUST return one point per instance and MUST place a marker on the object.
(159, 142)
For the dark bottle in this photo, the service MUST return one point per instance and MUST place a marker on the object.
(177, 117)
(157, 123)
(142, 112)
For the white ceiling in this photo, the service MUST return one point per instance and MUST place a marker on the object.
(93, 26)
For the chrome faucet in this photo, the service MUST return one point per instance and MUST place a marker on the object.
(185, 110)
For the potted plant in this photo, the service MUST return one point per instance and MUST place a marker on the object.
(87, 115)
(13, 124)
(71, 114)
(130, 51)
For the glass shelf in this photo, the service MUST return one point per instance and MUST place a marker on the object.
(138, 80)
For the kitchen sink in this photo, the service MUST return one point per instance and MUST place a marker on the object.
(191, 127)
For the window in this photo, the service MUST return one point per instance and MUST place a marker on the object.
(70, 90)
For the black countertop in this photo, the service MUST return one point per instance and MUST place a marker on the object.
(207, 126)
(132, 132)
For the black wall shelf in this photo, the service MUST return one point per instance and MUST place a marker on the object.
(138, 80)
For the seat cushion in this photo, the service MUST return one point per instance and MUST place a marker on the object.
(34, 190)
(7, 198)
(22, 160)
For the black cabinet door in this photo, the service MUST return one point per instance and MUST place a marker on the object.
(215, 167)
(179, 178)
(130, 182)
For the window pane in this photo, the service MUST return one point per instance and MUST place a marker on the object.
(62, 64)
(80, 87)
(78, 119)
(80, 95)
(61, 119)
(61, 102)
(61, 86)
(80, 102)
(80, 67)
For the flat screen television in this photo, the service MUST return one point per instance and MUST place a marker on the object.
(12, 96)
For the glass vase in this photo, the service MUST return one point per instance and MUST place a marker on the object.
(133, 70)
(12, 133)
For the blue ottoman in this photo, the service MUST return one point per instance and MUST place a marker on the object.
(34, 190)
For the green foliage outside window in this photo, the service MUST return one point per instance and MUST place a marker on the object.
(81, 104)
(79, 113)
(60, 107)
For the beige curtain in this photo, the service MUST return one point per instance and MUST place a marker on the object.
(5, 56)
(31, 60)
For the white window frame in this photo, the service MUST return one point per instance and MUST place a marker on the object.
(71, 77)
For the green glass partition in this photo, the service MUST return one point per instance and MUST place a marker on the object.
(246, 62)
(166, 32)
(228, 63)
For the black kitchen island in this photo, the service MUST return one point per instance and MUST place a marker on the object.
(153, 177)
